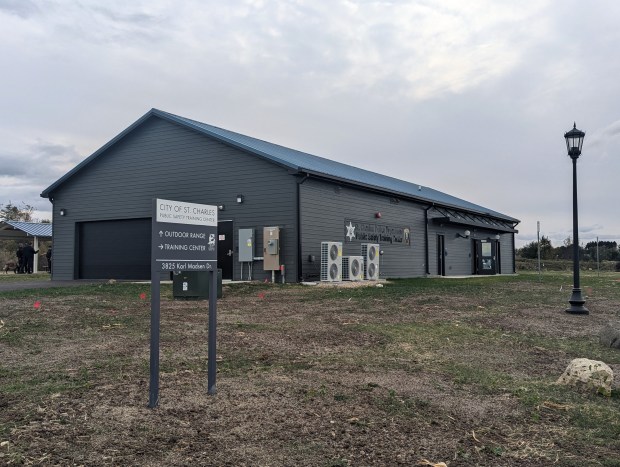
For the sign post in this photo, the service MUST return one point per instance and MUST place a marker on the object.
(183, 238)
(211, 365)
(154, 362)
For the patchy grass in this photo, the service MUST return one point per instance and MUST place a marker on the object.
(41, 384)
(460, 371)
(12, 277)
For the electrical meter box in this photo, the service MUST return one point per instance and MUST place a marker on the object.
(246, 245)
(194, 285)
(271, 248)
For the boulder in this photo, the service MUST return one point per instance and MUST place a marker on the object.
(610, 335)
(582, 372)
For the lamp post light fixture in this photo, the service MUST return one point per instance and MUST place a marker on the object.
(574, 142)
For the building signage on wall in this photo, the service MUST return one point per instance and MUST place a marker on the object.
(183, 236)
(355, 231)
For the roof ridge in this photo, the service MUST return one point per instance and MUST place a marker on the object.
(300, 161)
(418, 191)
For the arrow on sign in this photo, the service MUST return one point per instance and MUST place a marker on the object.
(161, 247)
(160, 233)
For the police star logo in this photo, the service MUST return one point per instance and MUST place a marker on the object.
(350, 231)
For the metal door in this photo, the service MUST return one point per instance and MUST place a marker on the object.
(225, 248)
(117, 249)
(441, 255)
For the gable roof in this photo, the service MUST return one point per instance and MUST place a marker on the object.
(299, 162)
(16, 229)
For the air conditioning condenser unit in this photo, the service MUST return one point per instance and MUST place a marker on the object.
(331, 261)
(370, 253)
(353, 268)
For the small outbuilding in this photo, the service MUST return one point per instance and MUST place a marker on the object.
(30, 232)
(102, 209)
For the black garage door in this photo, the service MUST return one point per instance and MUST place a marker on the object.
(119, 249)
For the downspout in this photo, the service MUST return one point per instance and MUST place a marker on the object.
(428, 270)
(51, 199)
(514, 250)
(514, 255)
(299, 262)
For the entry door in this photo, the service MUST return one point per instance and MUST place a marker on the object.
(225, 248)
(486, 257)
(441, 255)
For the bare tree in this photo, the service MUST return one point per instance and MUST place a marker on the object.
(13, 212)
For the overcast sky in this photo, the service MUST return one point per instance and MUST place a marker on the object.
(470, 98)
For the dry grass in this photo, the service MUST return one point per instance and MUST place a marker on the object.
(454, 371)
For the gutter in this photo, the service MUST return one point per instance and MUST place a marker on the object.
(514, 248)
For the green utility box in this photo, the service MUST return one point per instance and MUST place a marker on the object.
(194, 285)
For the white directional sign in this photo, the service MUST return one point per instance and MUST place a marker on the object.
(184, 236)
(176, 212)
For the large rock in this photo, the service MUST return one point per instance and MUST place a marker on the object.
(610, 335)
(582, 372)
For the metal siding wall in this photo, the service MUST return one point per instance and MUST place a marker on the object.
(63, 243)
(506, 252)
(163, 160)
(458, 250)
(459, 258)
(432, 249)
(323, 210)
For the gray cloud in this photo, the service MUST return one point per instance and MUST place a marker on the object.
(23, 176)
(600, 138)
(12, 166)
(20, 8)
(471, 100)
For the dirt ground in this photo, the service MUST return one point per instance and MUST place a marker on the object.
(459, 372)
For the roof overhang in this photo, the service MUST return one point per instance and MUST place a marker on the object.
(10, 230)
(479, 223)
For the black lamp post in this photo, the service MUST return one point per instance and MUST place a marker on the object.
(574, 141)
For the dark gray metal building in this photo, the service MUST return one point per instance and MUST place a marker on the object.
(102, 208)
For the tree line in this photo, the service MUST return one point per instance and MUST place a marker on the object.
(607, 250)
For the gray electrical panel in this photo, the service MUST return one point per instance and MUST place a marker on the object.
(246, 245)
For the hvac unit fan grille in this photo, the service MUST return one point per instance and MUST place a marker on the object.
(352, 268)
(370, 252)
(331, 261)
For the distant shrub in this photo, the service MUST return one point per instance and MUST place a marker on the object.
(524, 264)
